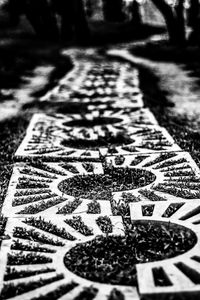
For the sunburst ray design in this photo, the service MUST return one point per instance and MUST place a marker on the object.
(46, 273)
(181, 274)
(47, 219)
(43, 242)
(177, 175)
(34, 187)
(65, 188)
(99, 133)
(59, 214)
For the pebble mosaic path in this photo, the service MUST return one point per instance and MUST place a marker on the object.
(81, 180)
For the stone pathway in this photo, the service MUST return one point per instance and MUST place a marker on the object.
(78, 182)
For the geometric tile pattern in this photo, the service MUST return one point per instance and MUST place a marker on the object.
(93, 135)
(44, 241)
(181, 273)
(35, 188)
(46, 271)
(83, 177)
(109, 83)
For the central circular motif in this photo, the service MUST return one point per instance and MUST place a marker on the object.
(93, 122)
(101, 186)
(113, 259)
(108, 140)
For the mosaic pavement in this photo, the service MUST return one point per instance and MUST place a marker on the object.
(82, 181)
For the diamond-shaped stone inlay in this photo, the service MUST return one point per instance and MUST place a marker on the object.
(99, 133)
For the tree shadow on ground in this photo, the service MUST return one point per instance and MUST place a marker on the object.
(111, 33)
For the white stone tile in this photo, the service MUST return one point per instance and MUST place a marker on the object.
(177, 176)
(27, 235)
(184, 279)
(62, 137)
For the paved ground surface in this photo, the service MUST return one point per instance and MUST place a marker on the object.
(101, 204)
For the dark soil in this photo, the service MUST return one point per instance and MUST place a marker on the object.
(113, 259)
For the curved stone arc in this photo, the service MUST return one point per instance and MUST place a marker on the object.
(180, 283)
(103, 289)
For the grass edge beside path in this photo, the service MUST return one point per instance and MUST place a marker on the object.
(159, 98)
(180, 127)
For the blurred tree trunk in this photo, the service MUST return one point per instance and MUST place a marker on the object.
(193, 12)
(168, 15)
(15, 10)
(73, 19)
(194, 21)
(89, 8)
(180, 22)
(80, 21)
(135, 12)
(113, 10)
(174, 20)
(42, 19)
(65, 10)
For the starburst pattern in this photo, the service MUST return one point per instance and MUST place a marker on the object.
(46, 273)
(176, 173)
(62, 216)
(94, 135)
(43, 242)
(54, 187)
(176, 275)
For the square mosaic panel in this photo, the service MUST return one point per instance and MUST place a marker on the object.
(177, 274)
(93, 135)
(61, 214)
(37, 187)
(34, 260)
